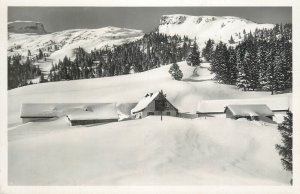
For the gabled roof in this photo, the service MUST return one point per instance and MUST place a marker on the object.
(144, 102)
(218, 106)
(250, 110)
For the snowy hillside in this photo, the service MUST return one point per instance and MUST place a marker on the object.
(218, 28)
(61, 44)
(23, 27)
(185, 95)
(176, 151)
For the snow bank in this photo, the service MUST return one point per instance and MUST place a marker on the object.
(148, 152)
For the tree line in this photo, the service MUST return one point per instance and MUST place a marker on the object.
(20, 72)
(152, 51)
(262, 61)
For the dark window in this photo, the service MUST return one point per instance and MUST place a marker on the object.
(160, 105)
(167, 105)
(150, 113)
(168, 113)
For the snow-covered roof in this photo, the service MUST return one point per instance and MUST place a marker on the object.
(38, 110)
(144, 102)
(73, 110)
(218, 106)
(97, 112)
(250, 110)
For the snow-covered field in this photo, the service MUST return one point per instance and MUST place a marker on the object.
(175, 151)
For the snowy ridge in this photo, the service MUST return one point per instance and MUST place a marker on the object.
(218, 28)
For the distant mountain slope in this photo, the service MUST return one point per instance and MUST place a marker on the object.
(205, 27)
(60, 44)
(26, 27)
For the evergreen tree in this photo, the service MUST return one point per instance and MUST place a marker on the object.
(207, 51)
(261, 61)
(219, 65)
(251, 69)
(231, 41)
(42, 78)
(286, 148)
(41, 55)
(232, 66)
(270, 84)
(194, 57)
(242, 81)
(175, 71)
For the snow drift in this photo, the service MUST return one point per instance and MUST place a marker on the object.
(148, 152)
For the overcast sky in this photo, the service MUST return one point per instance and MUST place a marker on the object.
(145, 18)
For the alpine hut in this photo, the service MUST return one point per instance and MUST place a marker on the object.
(154, 104)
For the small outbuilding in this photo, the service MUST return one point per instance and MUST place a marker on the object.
(151, 104)
(248, 111)
(215, 108)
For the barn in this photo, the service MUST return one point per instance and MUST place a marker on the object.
(150, 105)
(249, 111)
(76, 113)
(37, 112)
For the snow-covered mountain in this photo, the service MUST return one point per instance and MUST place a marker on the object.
(218, 28)
(26, 27)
